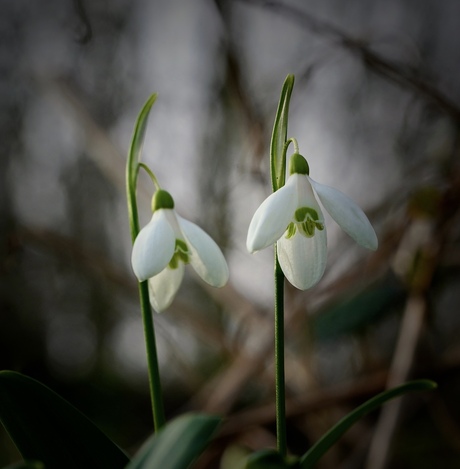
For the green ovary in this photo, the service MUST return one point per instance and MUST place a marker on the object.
(306, 221)
(181, 254)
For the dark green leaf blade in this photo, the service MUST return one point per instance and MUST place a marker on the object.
(134, 157)
(26, 465)
(311, 457)
(137, 139)
(269, 459)
(177, 444)
(279, 135)
(45, 427)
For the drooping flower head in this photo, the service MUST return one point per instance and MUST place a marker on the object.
(166, 244)
(292, 218)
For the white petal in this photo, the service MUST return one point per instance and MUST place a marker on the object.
(305, 195)
(153, 247)
(205, 255)
(347, 214)
(163, 287)
(302, 259)
(272, 217)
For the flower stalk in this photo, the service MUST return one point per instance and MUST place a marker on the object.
(132, 170)
(278, 148)
(280, 386)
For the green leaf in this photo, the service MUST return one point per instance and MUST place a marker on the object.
(132, 165)
(269, 459)
(312, 456)
(47, 428)
(137, 140)
(177, 444)
(26, 465)
(279, 136)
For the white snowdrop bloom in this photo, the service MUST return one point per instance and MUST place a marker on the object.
(166, 244)
(292, 218)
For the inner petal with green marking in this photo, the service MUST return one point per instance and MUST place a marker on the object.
(181, 254)
(306, 221)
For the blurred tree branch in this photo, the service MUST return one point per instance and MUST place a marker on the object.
(400, 74)
(254, 122)
(82, 14)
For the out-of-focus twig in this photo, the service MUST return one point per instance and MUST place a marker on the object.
(67, 247)
(419, 256)
(314, 400)
(82, 14)
(410, 332)
(100, 147)
(392, 71)
(336, 395)
(254, 124)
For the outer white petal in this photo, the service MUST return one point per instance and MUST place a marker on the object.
(154, 246)
(347, 214)
(206, 257)
(163, 287)
(272, 217)
(302, 259)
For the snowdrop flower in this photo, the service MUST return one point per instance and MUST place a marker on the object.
(293, 219)
(165, 245)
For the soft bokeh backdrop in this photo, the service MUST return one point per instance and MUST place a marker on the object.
(376, 111)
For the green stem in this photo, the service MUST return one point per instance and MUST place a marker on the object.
(132, 171)
(286, 146)
(151, 174)
(156, 394)
(280, 397)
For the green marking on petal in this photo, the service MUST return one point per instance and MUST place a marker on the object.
(181, 254)
(307, 228)
(174, 262)
(181, 246)
(307, 220)
(291, 229)
(304, 213)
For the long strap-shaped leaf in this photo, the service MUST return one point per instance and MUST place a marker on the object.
(46, 428)
(279, 136)
(177, 444)
(26, 465)
(132, 163)
(311, 457)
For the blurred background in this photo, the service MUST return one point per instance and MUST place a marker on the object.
(376, 111)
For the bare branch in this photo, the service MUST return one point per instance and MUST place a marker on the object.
(392, 71)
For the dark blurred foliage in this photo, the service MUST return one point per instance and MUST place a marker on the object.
(376, 110)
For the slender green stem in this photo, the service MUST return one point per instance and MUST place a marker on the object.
(286, 146)
(280, 397)
(156, 394)
(132, 171)
(151, 174)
